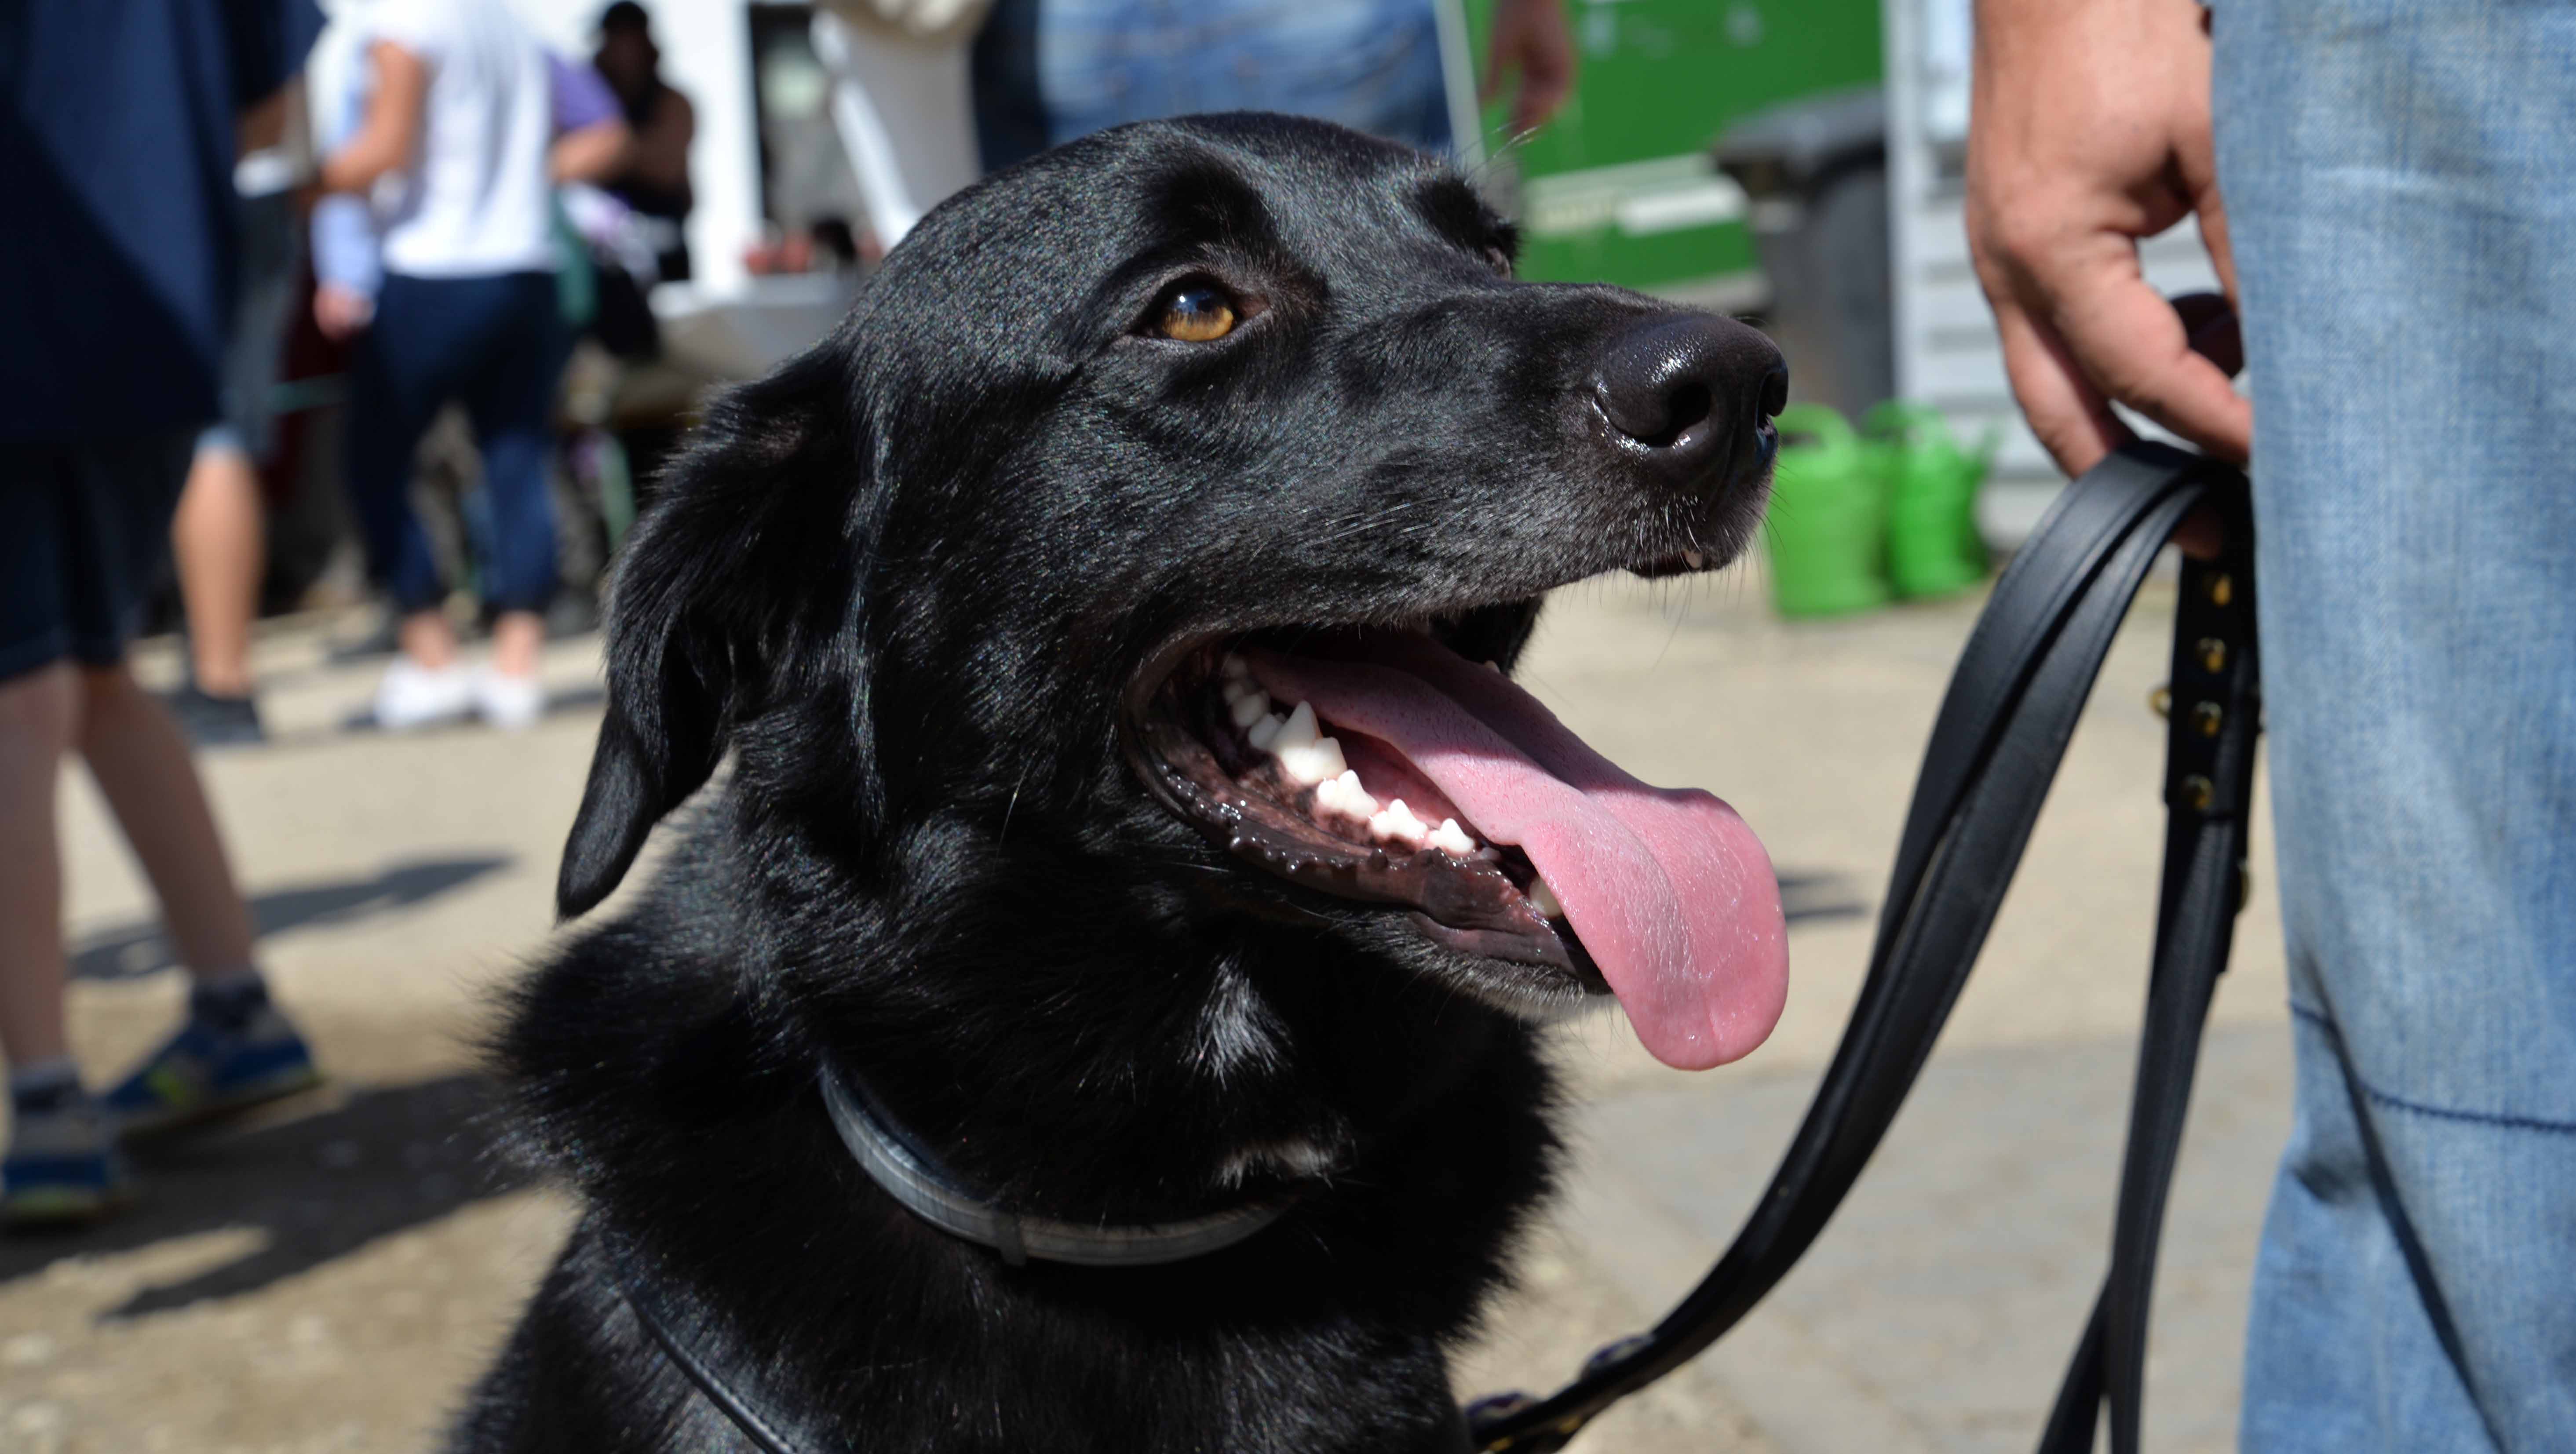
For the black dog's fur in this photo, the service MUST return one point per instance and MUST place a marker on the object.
(907, 584)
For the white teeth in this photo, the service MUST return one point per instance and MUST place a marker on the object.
(1235, 668)
(1298, 731)
(1495, 667)
(1305, 754)
(1543, 899)
(1489, 854)
(1345, 794)
(1327, 761)
(1398, 823)
(1695, 558)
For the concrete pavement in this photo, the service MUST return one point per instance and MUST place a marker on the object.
(328, 1276)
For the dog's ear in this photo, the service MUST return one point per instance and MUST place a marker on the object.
(730, 586)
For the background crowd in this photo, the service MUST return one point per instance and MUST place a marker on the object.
(448, 211)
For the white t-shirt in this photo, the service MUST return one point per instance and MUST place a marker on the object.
(475, 202)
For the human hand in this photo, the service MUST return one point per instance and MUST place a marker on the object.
(340, 311)
(2090, 130)
(1532, 41)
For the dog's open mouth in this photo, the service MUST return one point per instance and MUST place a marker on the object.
(1381, 765)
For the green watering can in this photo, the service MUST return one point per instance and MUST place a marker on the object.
(1933, 546)
(1827, 530)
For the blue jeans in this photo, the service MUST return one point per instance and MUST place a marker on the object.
(495, 344)
(1047, 71)
(2400, 178)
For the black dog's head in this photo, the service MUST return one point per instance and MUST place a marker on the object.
(1012, 586)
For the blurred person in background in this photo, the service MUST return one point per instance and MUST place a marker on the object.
(596, 291)
(219, 540)
(119, 261)
(2388, 193)
(1047, 71)
(590, 142)
(653, 179)
(457, 153)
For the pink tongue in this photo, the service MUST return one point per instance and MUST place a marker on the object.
(1672, 895)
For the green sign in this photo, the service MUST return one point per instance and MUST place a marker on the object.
(1619, 188)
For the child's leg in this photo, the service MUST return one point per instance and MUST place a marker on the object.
(142, 765)
(39, 712)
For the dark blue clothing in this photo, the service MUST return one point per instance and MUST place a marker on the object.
(117, 266)
(495, 344)
(117, 260)
(83, 531)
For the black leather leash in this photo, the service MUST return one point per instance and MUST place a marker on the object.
(735, 1390)
(2002, 729)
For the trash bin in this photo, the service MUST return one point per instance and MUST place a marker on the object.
(1815, 171)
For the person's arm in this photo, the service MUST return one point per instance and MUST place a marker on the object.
(660, 153)
(389, 134)
(347, 268)
(1533, 44)
(590, 134)
(2090, 129)
(591, 154)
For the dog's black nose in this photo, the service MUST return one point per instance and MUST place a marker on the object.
(1688, 391)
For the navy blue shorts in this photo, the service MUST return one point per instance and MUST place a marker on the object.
(84, 535)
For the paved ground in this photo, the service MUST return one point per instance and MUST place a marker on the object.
(329, 1276)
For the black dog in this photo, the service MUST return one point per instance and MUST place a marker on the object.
(1002, 601)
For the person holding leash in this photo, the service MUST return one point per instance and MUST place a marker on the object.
(2399, 196)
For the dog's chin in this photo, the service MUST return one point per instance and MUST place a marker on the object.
(1535, 994)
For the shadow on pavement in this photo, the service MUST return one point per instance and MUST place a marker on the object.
(318, 1187)
(385, 1158)
(137, 949)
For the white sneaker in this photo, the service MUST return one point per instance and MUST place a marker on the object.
(412, 695)
(511, 703)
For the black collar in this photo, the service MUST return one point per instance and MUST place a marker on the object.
(914, 1178)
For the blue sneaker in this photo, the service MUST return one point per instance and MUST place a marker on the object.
(203, 1071)
(62, 1168)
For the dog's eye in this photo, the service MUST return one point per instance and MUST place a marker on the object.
(1195, 313)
